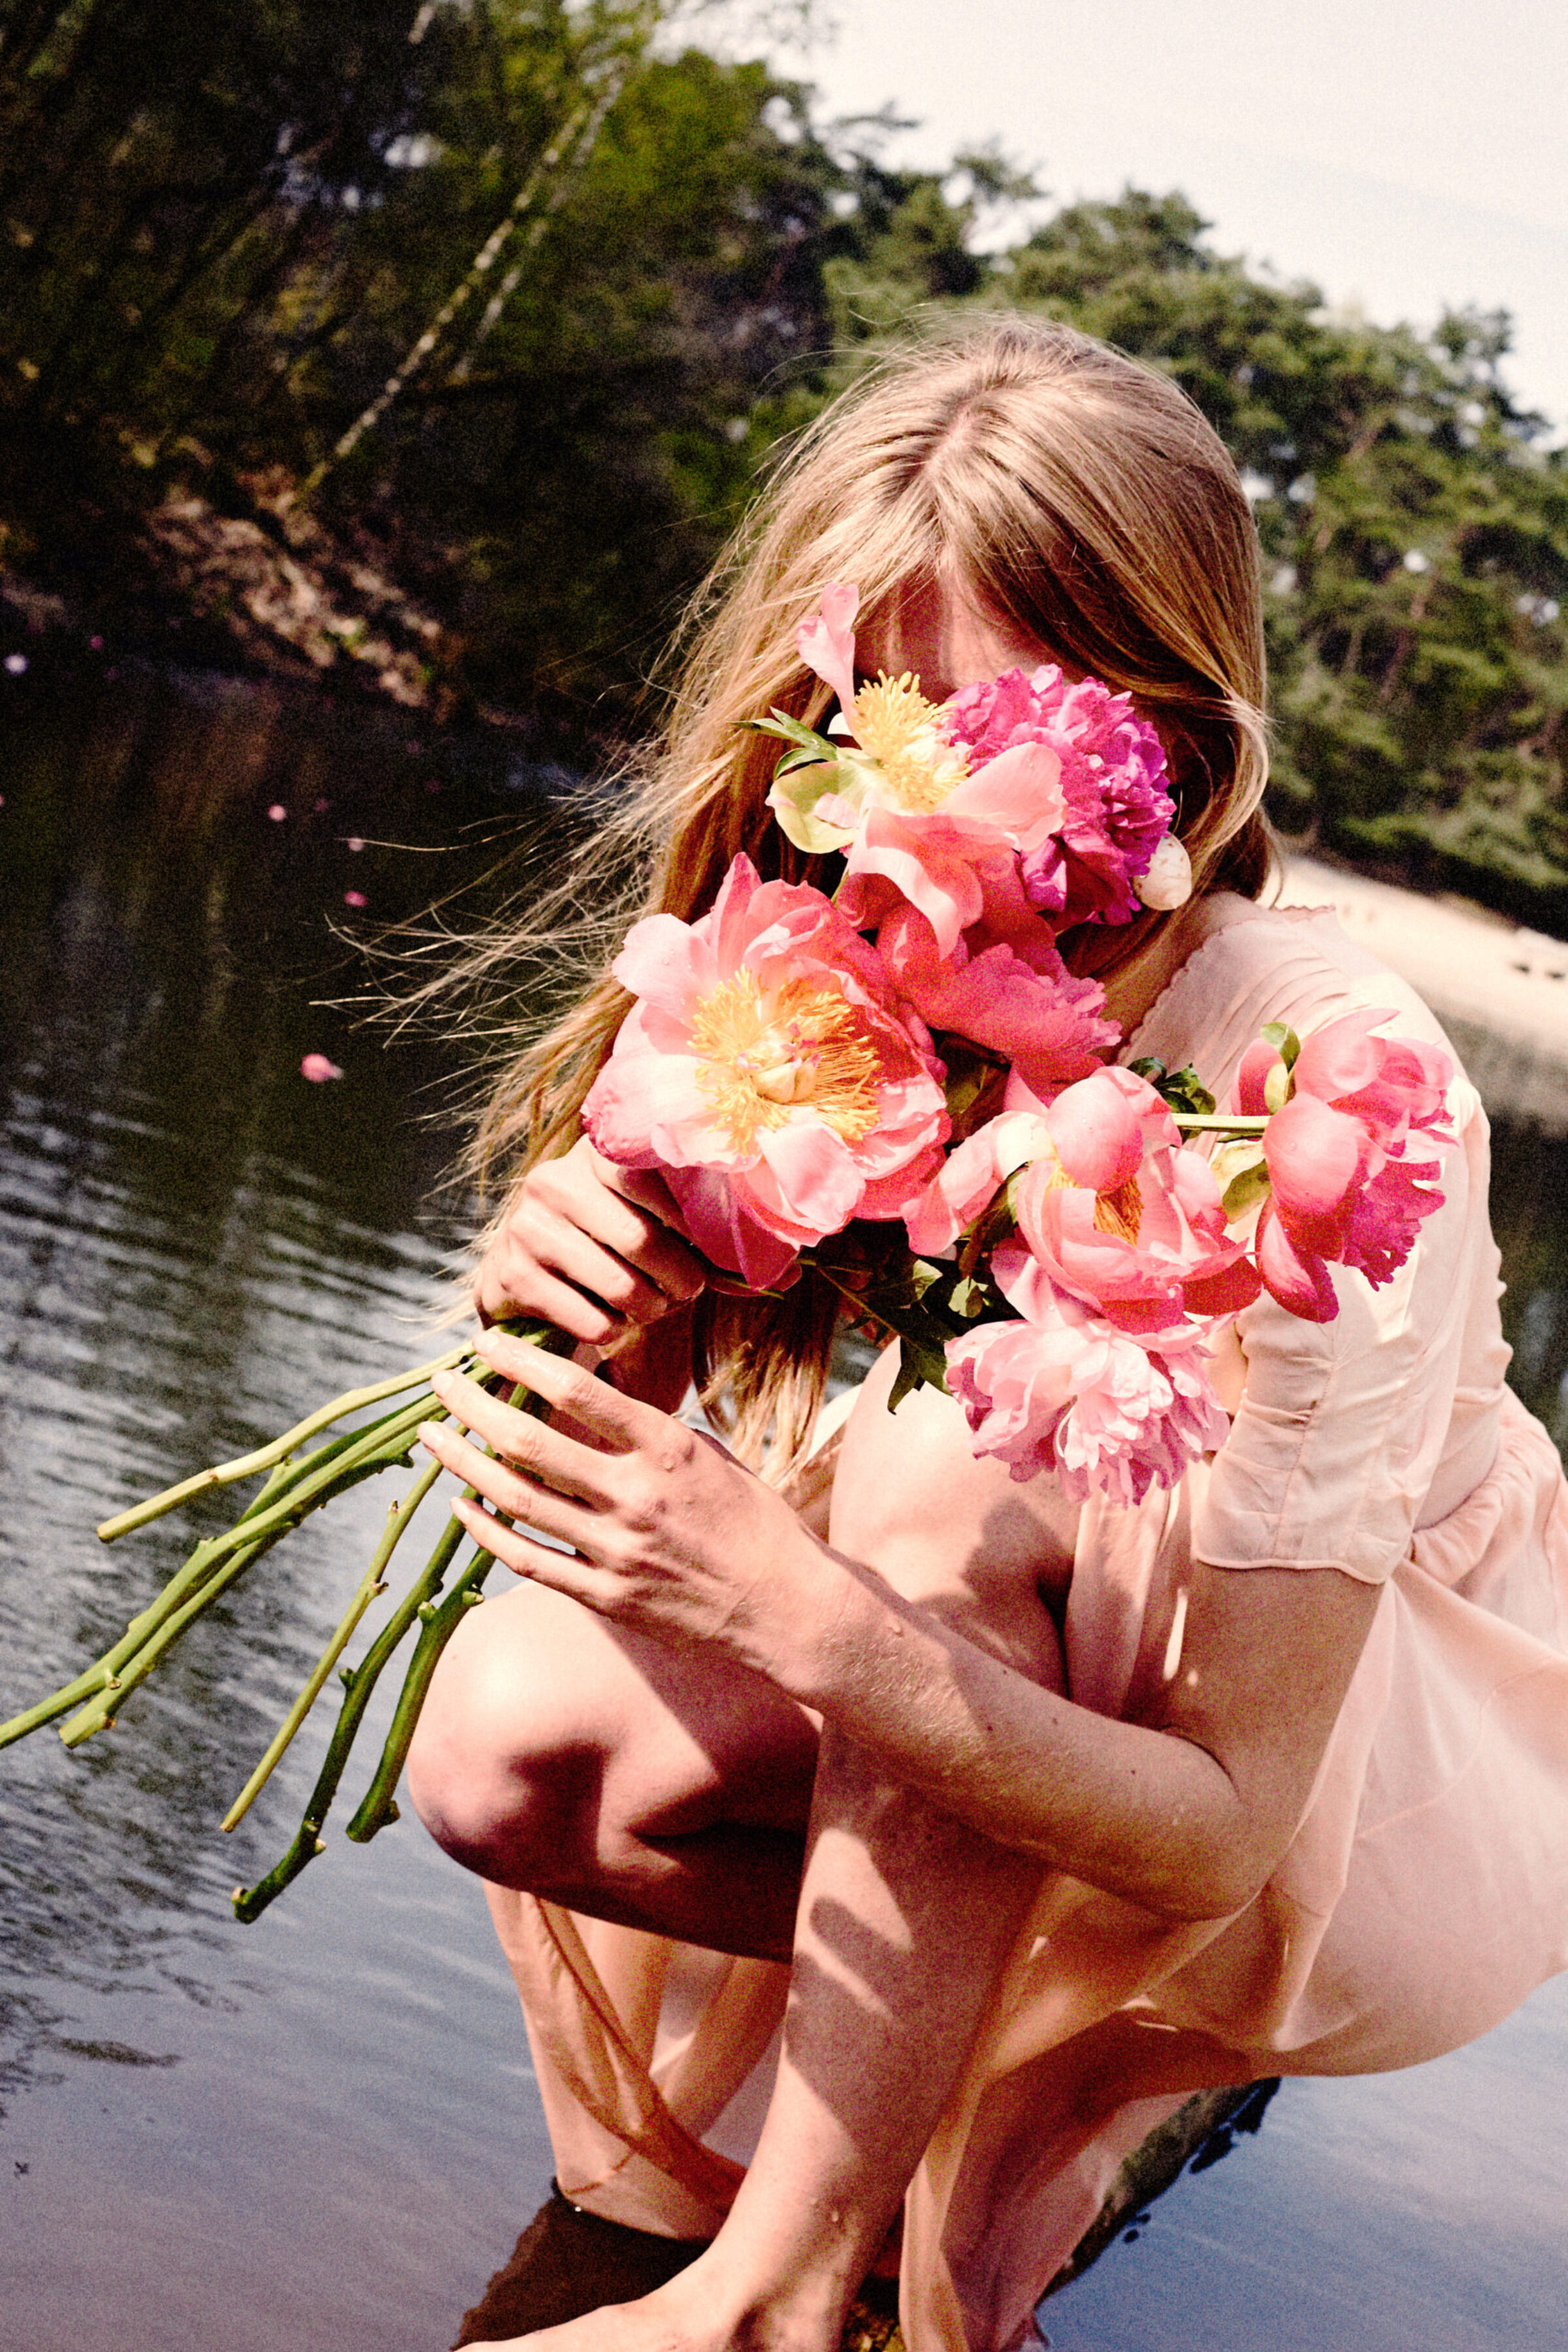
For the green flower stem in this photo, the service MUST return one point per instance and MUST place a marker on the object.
(378, 1808)
(100, 1712)
(294, 1490)
(371, 1584)
(250, 1902)
(104, 1670)
(246, 1465)
(213, 1565)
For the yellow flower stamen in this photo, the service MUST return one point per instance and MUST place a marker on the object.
(896, 726)
(765, 1056)
(1121, 1212)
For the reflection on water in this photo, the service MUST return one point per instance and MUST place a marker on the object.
(310, 2132)
(321, 2131)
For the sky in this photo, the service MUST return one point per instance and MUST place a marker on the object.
(1402, 155)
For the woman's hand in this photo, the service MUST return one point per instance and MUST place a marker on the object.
(669, 1534)
(591, 1247)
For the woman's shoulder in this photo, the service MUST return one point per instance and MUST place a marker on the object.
(1257, 964)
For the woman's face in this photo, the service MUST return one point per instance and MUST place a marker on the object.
(940, 636)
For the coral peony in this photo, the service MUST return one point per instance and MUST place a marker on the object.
(910, 808)
(770, 1071)
(1342, 1189)
(1116, 1211)
(1036, 1014)
(1064, 1392)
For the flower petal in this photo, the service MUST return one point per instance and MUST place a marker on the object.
(826, 642)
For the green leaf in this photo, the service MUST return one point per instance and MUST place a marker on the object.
(1149, 1066)
(1229, 1158)
(794, 730)
(1283, 1039)
(1244, 1191)
(970, 1071)
(1185, 1090)
(1277, 1086)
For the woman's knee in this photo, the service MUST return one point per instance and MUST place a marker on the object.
(507, 1750)
(550, 1747)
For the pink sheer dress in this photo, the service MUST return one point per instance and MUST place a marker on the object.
(1426, 1891)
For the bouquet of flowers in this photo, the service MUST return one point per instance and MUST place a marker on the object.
(904, 1087)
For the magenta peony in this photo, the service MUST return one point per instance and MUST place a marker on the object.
(1116, 810)
(1063, 1391)
(769, 1069)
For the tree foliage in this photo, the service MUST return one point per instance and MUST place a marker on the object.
(633, 267)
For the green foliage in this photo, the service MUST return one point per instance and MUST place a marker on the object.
(228, 231)
(1413, 533)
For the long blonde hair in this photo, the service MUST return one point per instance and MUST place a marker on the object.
(1071, 494)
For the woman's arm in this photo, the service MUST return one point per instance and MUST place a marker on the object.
(1186, 1810)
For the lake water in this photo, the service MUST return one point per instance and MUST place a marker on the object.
(322, 2131)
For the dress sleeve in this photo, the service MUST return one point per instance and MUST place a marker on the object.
(1342, 1427)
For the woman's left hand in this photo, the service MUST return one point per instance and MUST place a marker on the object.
(669, 1534)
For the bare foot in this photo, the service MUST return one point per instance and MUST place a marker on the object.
(694, 2313)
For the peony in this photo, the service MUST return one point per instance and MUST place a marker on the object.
(914, 813)
(1047, 1023)
(1117, 1212)
(1063, 1391)
(1116, 810)
(1342, 1189)
(770, 1071)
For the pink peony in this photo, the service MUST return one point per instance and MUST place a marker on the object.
(1036, 1014)
(1343, 1191)
(1117, 809)
(770, 1070)
(318, 1069)
(1116, 1211)
(1062, 1390)
(971, 1176)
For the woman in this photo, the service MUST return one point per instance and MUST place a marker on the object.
(1031, 1820)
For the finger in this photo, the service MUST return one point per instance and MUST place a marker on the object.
(617, 1424)
(609, 1248)
(530, 1445)
(546, 1295)
(562, 1572)
(540, 1507)
(594, 1263)
(634, 1213)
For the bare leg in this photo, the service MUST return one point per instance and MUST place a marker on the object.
(906, 1918)
(662, 1790)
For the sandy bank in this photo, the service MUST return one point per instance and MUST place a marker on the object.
(1500, 991)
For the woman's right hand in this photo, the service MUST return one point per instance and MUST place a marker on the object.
(593, 1248)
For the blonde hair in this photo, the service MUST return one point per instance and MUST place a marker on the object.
(1069, 493)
